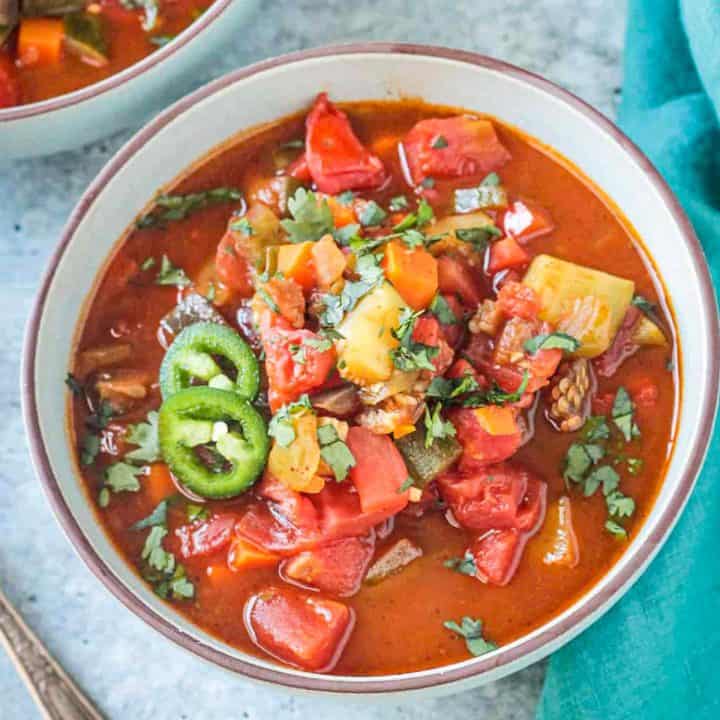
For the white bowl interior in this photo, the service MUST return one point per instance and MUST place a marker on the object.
(285, 89)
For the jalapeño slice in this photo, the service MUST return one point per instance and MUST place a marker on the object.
(209, 353)
(214, 442)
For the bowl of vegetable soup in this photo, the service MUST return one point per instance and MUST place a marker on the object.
(381, 385)
(73, 71)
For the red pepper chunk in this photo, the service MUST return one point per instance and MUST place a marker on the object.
(297, 628)
(506, 253)
(336, 159)
(453, 147)
(455, 276)
(337, 568)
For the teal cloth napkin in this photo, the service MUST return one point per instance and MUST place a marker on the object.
(656, 654)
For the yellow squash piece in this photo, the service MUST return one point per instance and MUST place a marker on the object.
(646, 332)
(364, 354)
(296, 465)
(588, 304)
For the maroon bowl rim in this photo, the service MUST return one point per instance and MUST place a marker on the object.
(572, 620)
(60, 102)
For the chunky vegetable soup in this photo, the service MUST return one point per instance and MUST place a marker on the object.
(374, 390)
(52, 47)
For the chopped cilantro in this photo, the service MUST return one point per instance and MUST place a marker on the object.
(122, 477)
(411, 355)
(281, 425)
(89, 449)
(74, 385)
(347, 234)
(157, 517)
(267, 299)
(147, 263)
(579, 458)
(552, 341)
(603, 475)
(634, 465)
(491, 180)
(409, 482)
(371, 275)
(242, 226)
(170, 274)
(435, 426)
(345, 198)
(399, 202)
(622, 415)
(440, 308)
(464, 565)
(448, 389)
(496, 395)
(145, 435)
(596, 428)
(439, 142)
(616, 529)
(311, 218)
(471, 630)
(103, 497)
(371, 214)
(178, 207)
(335, 452)
(645, 306)
(196, 512)
(478, 237)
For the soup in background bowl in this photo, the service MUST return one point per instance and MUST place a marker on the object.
(380, 394)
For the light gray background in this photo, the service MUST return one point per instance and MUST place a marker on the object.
(129, 670)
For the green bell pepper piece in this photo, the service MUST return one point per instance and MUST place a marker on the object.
(425, 464)
(193, 357)
(193, 417)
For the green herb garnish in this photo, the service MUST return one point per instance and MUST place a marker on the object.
(471, 630)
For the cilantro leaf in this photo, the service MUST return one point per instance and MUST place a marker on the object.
(89, 449)
(579, 458)
(622, 415)
(603, 475)
(371, 214)
(619, 505)
(122, 477)
(551, 341)
(471, 630)
(645, 306)
(145, 435)
(435, 426)
(243, 226)
(281, 427)
(178, 207)
(478, 237)
(311, 219)
(157, 517)
(399, 202)
(335, 452)
(616, 529)
(371, 275)
(439, 142)
(411, 355)
(596, 428)
(464, 565)
(170, 274)
(448, 389)
(440, 308)
(345, 198)
(407, 484)
(496, 395)
(155, 554)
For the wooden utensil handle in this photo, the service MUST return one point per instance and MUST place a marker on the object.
(56, 695)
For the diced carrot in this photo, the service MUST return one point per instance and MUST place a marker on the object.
(342, 214)
(402, 431)
(158, 484)
(506, 253)
(244, 555)
(329, 261)
(40, 41)
(295, 262)
(413, 273)
(497, 419)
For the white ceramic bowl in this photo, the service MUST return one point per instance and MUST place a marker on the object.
(195, 125)
(125, 99)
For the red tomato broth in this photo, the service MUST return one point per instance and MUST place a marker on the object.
(127, 44)
(398, 626)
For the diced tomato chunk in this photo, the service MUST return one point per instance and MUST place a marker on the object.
(525, 220)
(232, 268)
(531, 512)
(456, 277)
(454, 332)
(485, 499)
(337, 568)
(453, 147)
(299, 169)
(290, 374)
(379, 472)
(337, 160)
(427, 331)
(506, 253)
(9, 86)
(518, 300)
(207, 536)
(300, 629)
(497, 554)
(480, 447)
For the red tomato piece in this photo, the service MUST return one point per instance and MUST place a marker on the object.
(299, 169)
(337, 160)
(232, 268)
(337, 568)
(9, 86)
(506, 253)
(531, 513)
(486, 499)
(297, 628)
(453, 147)
(456, 277)
(207, 536)
(294, 367)
(427, 331)
(453, 332)
(379, 472)
(497, 554)
(525, 220)
(480, 448)
(518, 300)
